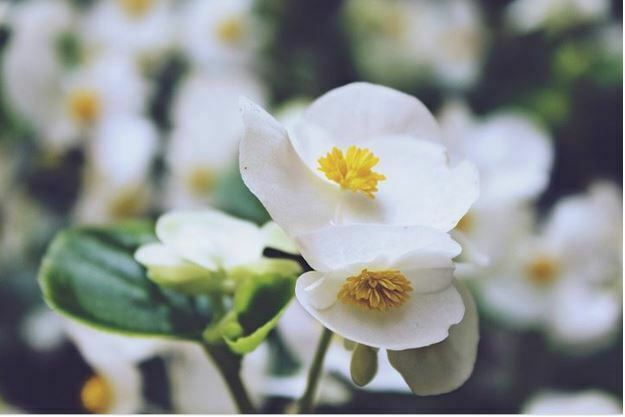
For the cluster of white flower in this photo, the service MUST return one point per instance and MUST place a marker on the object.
(402, 217)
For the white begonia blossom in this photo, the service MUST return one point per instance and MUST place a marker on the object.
(205, 135)
(32, 66)
(116, 386)
(105, 87)
(361, 153)
(197, 387)
(119, 157)
(514, 157)
(528, 15)
(573, 403)
(567, 279)
(143, 29)
(197, 247)
(382, 260)
(401, 41)
(223, 33)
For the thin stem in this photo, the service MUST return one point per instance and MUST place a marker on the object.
(306, 402)
(229, 366)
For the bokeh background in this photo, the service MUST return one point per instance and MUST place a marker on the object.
(115, 109)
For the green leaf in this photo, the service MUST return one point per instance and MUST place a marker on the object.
(90, 275)
(259, 302)
(232, 196)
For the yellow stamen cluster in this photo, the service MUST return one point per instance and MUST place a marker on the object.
(352, 170)
(84, 105)
(230, 30)
(542, 270)
(136, 8)
(376, 290)
(96, 395)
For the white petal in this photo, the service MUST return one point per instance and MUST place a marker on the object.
(513, 155)
(444, 366)
(420, 187)
(276, 238)
(210, 238)
(321, 289)
(583, 317)
(584, 402)
(422, 320)
(157, 254)
(296, 198)
(338, 246)
(358, 113)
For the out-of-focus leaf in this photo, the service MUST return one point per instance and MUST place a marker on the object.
(233, 197)
(90, 275)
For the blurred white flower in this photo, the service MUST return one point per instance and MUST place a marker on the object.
(573, 403)
(199, 248)
(399, 42)
(143, 29)
(42, 329)
(205, 136)
(568, 278)
(219, 33)
(197, 387)
(514, 157)
(118, 162)
(348, 143)
(528, 15)
(116, 387)
(105, 87)
(32, 63)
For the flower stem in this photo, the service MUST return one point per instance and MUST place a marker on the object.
(229, 365)
(306, 402)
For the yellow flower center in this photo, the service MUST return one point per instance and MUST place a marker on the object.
(230, 30)
(376, 290)
(542, 270)
(84, 105)
(201, 180)
(96, 395)
(135, 8)
(466, 223)
(128, 203)
(352, 170)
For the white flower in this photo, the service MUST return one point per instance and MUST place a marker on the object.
(143, 29)
(197, 387)
(222, 33)
(118, 162)
(116, 386)
(398, 42)
(572, 403)
(528, 15)
(107, 86)
(42, 329)
(567, 279)
(512, 153)
(205, 136)
(198, 247)
(32, 66)
(514, 157)
(360, 153)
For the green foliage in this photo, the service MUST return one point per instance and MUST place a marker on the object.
(259, 302)
(233, 197)
(90, 275)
